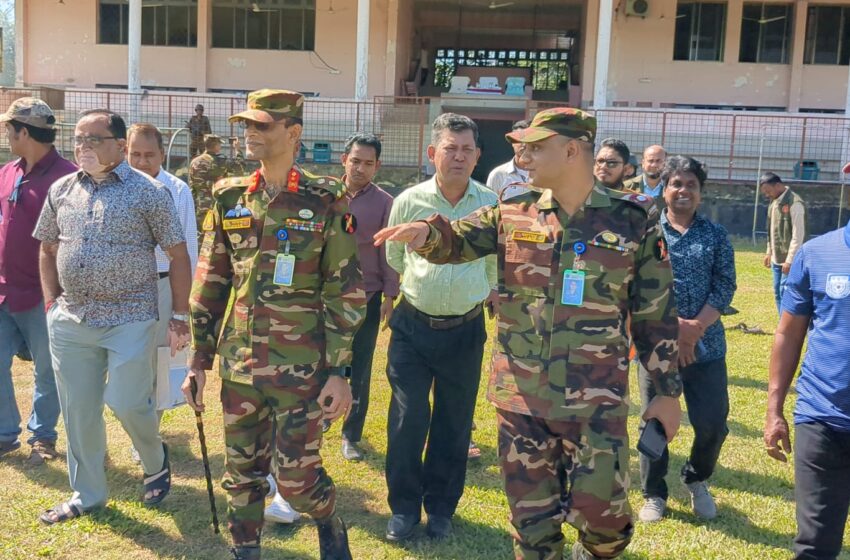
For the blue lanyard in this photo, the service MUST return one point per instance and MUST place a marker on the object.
(13, 198)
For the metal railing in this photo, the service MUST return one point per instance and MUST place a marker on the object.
(735, 145)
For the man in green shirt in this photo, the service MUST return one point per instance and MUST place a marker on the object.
(437, 341)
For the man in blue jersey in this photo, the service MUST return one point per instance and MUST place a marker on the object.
(817, 301)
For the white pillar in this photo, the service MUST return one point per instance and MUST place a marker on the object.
(20, 43)
(603, 54)
(134, 46)
(361, 80)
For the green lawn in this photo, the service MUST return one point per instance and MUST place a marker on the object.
(754, 493)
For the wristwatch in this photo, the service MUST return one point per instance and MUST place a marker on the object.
(180, 317)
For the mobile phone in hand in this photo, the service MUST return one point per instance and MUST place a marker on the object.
(653, 440)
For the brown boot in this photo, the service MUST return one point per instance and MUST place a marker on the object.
(42, 451)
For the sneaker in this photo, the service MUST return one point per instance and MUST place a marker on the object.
(279, 511)
(653, 510)
(701, 500)
(42, 451)
(351, 451)
(7, 447)
(134, 455)
(272, 486)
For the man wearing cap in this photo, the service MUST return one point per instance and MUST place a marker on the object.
(204, 171)
(198, 125)
(575, 259)
(786, 229)
(24, 183)
(278, 296)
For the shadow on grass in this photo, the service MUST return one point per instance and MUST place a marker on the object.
(738, 429)
(747, 383)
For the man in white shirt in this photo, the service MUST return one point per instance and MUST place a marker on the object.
(504, 176)
(146, 153)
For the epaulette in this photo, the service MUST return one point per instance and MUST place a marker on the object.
(505, 197)
(223, 185)
(321, 183)
(646, 203)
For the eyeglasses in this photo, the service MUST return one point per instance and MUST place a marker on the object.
(609, 163)
(260, 126)
(13, 197)
(91, 141)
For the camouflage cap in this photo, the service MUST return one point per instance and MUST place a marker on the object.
(31, 111)
(271, 105)
(211, 137)
(572, 123)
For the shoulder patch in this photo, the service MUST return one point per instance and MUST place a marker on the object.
(231, 183)
(331, 185)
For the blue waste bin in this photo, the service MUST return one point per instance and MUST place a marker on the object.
(321, 152)
(807, 170)
(302, 154)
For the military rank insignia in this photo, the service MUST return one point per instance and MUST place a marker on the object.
(303, 225)
(349, 223)
(237, 217)
(530, 236)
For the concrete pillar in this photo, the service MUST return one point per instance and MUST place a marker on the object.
(798, 45)
(587, 50)
(134, 46)
(390, 79)
(361, 80)
(603, 54)
(20, 43)
(204, 42)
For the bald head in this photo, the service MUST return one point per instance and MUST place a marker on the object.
(653, 161)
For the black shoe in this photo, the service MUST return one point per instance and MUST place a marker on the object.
(333, 539)
(7, 447)
(351, 451)
(439, 527)
(401, 526)
(245, 552)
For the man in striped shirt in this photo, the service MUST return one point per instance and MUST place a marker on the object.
(816, 301)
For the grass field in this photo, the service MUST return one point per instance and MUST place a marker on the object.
(754, 493)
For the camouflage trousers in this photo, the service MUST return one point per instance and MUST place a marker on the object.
(556, 471)
(250, 415)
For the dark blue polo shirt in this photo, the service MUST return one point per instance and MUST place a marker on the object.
(819, 286)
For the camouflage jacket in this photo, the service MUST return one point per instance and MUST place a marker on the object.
(566, 362)
(292, 335)
(204, 171)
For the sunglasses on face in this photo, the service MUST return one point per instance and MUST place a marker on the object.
(609, 163)
(260, 126)
(91, 141)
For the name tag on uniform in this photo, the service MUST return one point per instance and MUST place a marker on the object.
(236, 223)
(530, 236)
(284, 269)
(572, 292)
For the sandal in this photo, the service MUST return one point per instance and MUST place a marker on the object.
(159, 482)
(61, 513)
(474, 452)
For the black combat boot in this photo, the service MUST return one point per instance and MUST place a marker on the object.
(245, 552)
(333, 539)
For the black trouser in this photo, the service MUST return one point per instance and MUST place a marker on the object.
(707, 401)
(363, 349)
(822, 490)
(449, 360)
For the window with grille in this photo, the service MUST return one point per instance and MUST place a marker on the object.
(700, 31)
(827, 35)
(550, 68)
(166, 23)
(766, 33)
(268, 24)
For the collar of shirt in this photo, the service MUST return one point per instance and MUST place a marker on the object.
(122, 172)
(516, 170)
(42, 166)
(697, 221)
(652, 191)
(432, 188)
(364, 190)
(597, 198)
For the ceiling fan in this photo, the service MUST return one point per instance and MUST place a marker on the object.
(332, 11)
(255, 7)
(765, 20)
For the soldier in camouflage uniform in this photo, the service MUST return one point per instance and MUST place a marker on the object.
(199, 126)
(278, 296)
(560, 371)
(204, 171)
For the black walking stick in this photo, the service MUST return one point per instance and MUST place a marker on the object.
(200, 423)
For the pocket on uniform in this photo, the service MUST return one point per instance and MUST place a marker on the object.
(528, 266)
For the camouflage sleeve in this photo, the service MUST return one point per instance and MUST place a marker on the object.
(464, 240)
(210, 294)
(343, 295)
(654, 319)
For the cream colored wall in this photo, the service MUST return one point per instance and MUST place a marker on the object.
(62, 49)
(642, 68)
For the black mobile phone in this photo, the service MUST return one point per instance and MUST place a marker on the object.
(652, 440)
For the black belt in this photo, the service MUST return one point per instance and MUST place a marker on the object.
(442, 322)
(163, 275)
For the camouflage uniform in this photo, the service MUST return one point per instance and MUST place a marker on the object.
(198, 125)
(560, 372)
(204, 171)
(277, 344)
